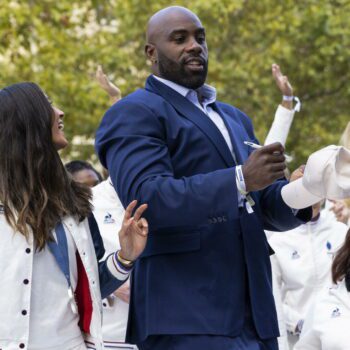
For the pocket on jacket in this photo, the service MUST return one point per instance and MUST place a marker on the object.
(173, 243)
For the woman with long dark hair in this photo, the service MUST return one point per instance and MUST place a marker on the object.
(50, 248)
(327, 323)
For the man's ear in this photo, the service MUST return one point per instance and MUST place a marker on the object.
(151, 53)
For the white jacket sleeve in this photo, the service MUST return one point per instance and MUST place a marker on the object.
(281, 125)
(310, 335)
(287, 316)
(291, 318)
(277, 285)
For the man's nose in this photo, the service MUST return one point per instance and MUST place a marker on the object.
(194, 46)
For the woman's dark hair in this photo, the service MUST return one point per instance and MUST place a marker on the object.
(77, 165)
(341, 263)
(35, 189)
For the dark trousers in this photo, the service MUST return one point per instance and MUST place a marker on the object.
(247, 340)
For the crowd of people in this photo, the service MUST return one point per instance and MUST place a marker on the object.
(220, 246)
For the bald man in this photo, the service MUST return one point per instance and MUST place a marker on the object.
(204, 280)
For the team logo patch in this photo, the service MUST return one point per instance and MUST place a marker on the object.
(295, 255)
(335, 312)
(108, 219)
(329, 249)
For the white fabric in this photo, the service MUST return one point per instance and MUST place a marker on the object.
(326, 175)
(327, 323)
(58, 322)
(16, 264)
(109, 213)
(280, 126)
(302, 262)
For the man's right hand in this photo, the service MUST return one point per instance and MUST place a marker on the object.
(264, 166)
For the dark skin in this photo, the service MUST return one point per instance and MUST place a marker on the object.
(178, 51)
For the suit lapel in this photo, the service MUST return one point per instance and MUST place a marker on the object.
(236, 132)
(193, 113)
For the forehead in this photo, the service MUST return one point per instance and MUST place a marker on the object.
(181, 22)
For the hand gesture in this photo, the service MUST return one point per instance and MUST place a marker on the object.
(134, 231)
(264, 166)
(281, 81)
(112, 90)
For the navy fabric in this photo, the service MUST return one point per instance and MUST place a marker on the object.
(162, 150)
(108, 283)
(59, 250)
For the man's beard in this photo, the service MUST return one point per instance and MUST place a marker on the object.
(176, 72)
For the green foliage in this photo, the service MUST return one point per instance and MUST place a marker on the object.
(58, 44)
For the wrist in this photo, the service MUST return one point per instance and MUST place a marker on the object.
(287, 104)
(240, 181)
(125, 262)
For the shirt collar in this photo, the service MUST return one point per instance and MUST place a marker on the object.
(207, 92)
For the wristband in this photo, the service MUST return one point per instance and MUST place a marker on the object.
(288, 98)
(125, 262)
(293, 98)
(240, 181)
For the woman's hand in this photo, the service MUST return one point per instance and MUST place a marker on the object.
(112, 90)
(134, 231)
(282, 81)
(283, 85)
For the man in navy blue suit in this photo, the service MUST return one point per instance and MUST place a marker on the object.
(204, 279)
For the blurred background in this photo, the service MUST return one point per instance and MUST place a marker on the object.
(58, 44)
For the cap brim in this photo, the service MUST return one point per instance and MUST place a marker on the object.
(296, 196)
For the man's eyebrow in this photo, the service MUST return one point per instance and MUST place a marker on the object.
(184, 31)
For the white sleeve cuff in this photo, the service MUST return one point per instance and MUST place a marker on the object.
(116, 269)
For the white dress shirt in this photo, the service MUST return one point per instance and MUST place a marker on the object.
(208, 94)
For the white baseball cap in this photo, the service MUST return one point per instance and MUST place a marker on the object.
(326, 175)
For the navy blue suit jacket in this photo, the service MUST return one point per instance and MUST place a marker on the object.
(204, 254)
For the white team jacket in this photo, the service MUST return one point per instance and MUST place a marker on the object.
(302, 262)
(327, 322)
(109, 214)
(16, 260)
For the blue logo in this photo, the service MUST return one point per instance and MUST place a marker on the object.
(336, 313)
(295, 255)
(108, 219)
(329, 245)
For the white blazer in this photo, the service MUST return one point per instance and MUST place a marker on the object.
(16, 261)
(302, 262)
(327, 324)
